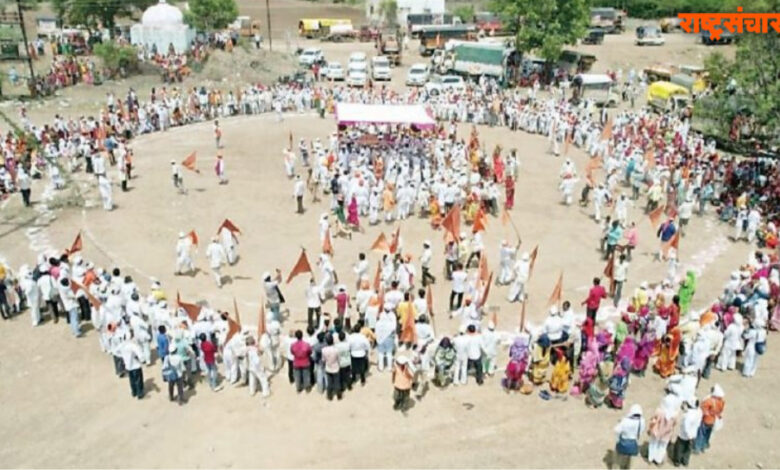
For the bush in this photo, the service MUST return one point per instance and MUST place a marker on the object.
(116, 58)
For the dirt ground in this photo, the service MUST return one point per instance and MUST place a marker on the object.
(63, 406)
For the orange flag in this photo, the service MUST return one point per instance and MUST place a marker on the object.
(655, 216)
(261, 321)
(192, 310)
(486, 292)
(76, 245)
(327, 244)
(233, 328)
(92, 299)
(228, 224)
(193, 237)
(451, 222)
(483, 267)
(606, 133)
(380, 244)
(191, 162)
(429, 300)
(674, 242)
(480, 221)
(395, 240)
(301, 266)
(533, 256)
(557, 293)
(378, 276)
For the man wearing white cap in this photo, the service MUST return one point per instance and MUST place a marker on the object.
(507, 258)
(183, 258)
(104, 186)
(755, 345)
(299, 189)
(216, 255)
(461, 345)
(712, 411)
(522, 271)
(490, 348)
(385, 337)
(255, 369)
(229, 243)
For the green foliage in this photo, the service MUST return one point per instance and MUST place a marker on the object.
(95, 12)
(756, 73)
(544, 26)
(465, 12)
(115, 56)
(389, 11)
(210, 15)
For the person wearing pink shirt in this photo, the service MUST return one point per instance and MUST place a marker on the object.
(632, 239)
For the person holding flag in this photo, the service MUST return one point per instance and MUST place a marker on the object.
(184, 263)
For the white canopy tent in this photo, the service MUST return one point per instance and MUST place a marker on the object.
(348, 114)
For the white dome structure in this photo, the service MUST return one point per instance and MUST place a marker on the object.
(162, 27)
(162, 14)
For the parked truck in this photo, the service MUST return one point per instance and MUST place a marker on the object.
(390, 46)
(475, 59)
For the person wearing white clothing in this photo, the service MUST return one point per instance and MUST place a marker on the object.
(507, 258)
(628, 431)
(229, 243)
(755, 345)
(104, 185)
(689, 428)
(522, 271)
(461, 345)
(183, 257)
(360, 269)
(732, 342)
(661, 427)
(31, 293)
(132, 356)
(216, 255)
(256, 370)
(490, 346)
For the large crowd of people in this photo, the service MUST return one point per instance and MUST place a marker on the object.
(389, 173)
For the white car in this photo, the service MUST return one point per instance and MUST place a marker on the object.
(649, 36)
(380, 68)
(357, 58)
(417, 75)
(333, 71)
(310, 56)
(441, 83)
(357, 75)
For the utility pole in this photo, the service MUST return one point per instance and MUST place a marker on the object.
(268, 19)
(26, 46)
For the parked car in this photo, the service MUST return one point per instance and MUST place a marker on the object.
(595, 36)
(441, 83)
(357, 75)
(417, 75)
(310, 56)
(333, 71)
(649, 36)
(357, 58)
(380, 68)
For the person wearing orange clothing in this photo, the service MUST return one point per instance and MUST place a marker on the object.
(712, 410)
(403, 373)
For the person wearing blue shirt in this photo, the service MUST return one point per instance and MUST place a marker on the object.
(613, 238)
(162, 343)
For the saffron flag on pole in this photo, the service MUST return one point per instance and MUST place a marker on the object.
(557, 293)
(191, 310)
(380, 244)
(193, 237)
(395, 241)
(480, 222)
(301, 266)
(228, 224)
(235, 309)
(451, 222)
(486, 292)
(533, 256)
(76, 245)
(92, 299)
(674, 242)
(429, 300)
(483, 267)
(609, 269)
(655, 216)
(261, 321)
(327, 244)
(191, 162)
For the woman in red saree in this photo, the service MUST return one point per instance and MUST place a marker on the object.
(498, 165)
(352, 214)
(509, 185)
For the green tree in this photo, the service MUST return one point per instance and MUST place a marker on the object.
(465, 13)
(747, 86)
(545, 26)
(96, 12)
(208, 15)
(389, 11)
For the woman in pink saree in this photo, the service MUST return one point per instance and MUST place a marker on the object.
(352, 214)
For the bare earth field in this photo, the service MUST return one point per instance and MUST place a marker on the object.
(63, 406)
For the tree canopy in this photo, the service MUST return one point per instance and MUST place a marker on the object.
(208, 15)
(94, 12)
(544, 26)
